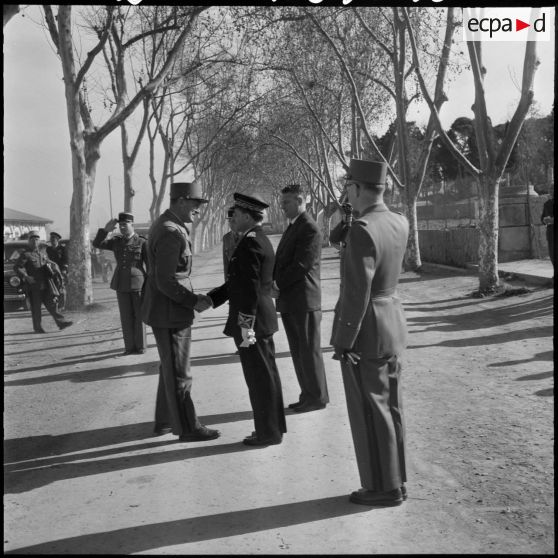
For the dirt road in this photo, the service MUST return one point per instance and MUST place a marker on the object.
(84, 475)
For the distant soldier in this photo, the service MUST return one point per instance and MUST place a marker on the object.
(230, 241)
(37, 272)
(547, 218)
(57, 253)
(129, 276)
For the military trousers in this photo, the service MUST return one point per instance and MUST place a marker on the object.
(303, 334)
(133, 329)
(37, 297)
(374, 404)
(264, 387)
(174, 405)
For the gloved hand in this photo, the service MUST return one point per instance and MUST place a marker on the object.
(347, 213)
(248, 337)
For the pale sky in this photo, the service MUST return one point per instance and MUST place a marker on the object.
(37, 163)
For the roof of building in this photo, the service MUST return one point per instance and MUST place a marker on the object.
(20, 216)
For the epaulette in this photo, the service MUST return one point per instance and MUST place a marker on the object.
(141, 236)
(251, 235)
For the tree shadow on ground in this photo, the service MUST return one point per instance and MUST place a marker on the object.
(549, 392)
(488, 317)
(537, 376)
(39, 447)
(23, 477)
(143, 538)
(65, 362)
(497, 338)
(91, 374)
(545, 355)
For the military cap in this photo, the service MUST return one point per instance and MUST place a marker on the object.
(33, 234)
(56, 235)
(125, 217)
(188, 191)
(372, 172)
(253, 202)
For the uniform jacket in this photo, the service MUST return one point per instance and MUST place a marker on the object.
(36, 264)
(230, 240)
(130, 257)
(58, 254)
(369, 317)
(248, 286)
(168, 299)
(297, 267)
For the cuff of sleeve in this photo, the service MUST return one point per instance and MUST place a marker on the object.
(345, 335)
(246, 320)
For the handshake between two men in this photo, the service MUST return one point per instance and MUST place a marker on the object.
(246, 328)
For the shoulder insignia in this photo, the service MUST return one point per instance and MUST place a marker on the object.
(251, 235)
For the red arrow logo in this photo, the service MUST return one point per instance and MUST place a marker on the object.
(519, 25)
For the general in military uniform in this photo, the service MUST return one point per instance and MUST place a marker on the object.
(38, 273)
(57, 253)
(252, 319)
(369, 336)
(168, 307)
(128, 278)
(299, 298)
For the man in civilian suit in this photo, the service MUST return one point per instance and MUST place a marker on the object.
(129, 252)
(369, 336)
(298, 289)
(252, 318)
(168, 307)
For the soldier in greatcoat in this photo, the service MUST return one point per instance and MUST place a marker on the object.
(168, 307)
(128, 277)
(252, 318)
(369, 336)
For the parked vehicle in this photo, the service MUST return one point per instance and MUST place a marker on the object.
(15, 297)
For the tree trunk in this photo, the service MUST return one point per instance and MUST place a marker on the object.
(127, 167)
(488, 237)
(412, 255)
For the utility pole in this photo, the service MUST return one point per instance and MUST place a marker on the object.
(110, 199)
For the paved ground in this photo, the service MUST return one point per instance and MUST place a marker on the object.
(83, 474)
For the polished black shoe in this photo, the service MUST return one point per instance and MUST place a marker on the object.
(201, 434)
(138, 352)
(255, 441)
(127, 352)
(373, 498)
(162, 429)
(307, 407)
(40, 330)
(403, 492)
(64, 325)
(295, 405)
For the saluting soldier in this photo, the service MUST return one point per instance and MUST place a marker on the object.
(369, 336)
(129, 276)
(252, 318)
(37, 272)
